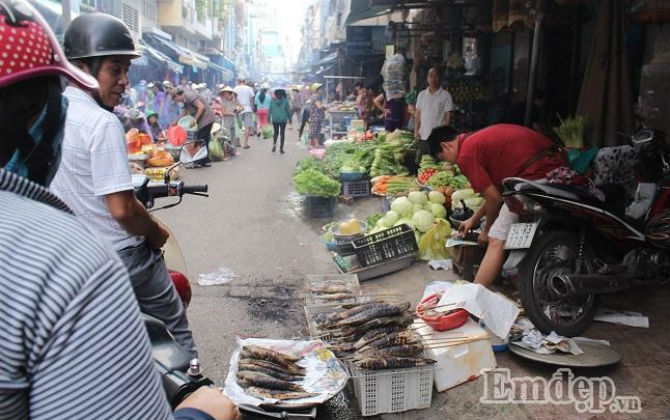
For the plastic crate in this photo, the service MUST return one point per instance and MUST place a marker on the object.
(351, 176)
(392, 390)
(319, 206)
(386, 245)
(356, 189)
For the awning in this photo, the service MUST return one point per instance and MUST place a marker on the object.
(225, 73)
(148, 52)
(181, 54)
(361, 9)
(329, 59)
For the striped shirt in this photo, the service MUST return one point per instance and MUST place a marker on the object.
(72, 345)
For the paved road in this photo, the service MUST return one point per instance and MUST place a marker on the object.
(252, 224)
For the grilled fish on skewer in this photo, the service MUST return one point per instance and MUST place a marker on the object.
(403, 350)
(248, 379)
(278, 394)
(374, 312)
(378, 363)
(273, 366)
(284, 376)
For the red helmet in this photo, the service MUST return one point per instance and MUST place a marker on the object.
(29, 49)
(182, 285)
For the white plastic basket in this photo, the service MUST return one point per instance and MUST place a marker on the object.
(392, 390)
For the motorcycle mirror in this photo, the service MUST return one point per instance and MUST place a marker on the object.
(642, 137)
(168, 173)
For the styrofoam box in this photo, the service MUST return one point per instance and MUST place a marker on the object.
(460, 363)
(392, 390)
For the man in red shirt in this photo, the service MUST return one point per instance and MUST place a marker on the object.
(486, 157)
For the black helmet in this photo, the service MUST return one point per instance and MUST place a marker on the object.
(94, 35)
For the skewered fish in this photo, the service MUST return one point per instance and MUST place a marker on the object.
(375, 334)
(403, 350)
(378, 363)
(399, 320)
(278, 394)
(260, 353)
(253, 367)
(393, 339)
(261, 380)
(273, 366)
(374, 312)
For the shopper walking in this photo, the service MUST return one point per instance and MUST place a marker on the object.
(297, 102)
(245, 94)
(280, 112)
(316, 115)
(230, 107)
(433, 109)
(262, 103)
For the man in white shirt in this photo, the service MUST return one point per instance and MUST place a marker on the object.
(245, 95)
(433, 109)
(94, 177)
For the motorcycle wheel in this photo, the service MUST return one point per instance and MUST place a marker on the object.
(555, 251)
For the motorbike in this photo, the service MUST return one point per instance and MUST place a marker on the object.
(180, 374)
(569, 247)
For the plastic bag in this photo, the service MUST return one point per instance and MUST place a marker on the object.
(222, 275)
(432, 243)
(266, 132)
(215, 150)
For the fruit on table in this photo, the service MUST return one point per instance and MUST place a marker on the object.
(350, 227)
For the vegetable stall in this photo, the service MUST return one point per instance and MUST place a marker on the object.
(416, 213)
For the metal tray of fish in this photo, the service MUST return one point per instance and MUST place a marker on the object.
(331, 289)
(315, 314)
(377, 270)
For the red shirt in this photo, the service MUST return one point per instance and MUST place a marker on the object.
(494, 153)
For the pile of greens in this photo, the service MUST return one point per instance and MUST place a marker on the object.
(337, 156)
(313, 183)
(387, 160)
(309, 162)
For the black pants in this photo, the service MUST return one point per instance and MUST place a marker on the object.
(305, 119)
(205, 134)
(279, 127)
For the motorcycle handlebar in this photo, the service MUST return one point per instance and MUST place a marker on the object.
(190, 189)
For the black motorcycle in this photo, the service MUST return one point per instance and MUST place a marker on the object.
(569, 246)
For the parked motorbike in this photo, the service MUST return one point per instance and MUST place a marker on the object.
(569, 247)
(180, 374)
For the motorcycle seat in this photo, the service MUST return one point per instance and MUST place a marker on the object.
(561, 191)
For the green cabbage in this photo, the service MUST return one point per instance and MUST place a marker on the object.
(416, 207)
(402, 206)
(459, 195)
(390, 218)
(436, 197)
(423, 220)
(417, 197)
(438, 210)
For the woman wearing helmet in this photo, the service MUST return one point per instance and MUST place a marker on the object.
(94, 177)
(73, 346)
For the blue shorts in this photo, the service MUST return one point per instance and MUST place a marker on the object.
(248, 119)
